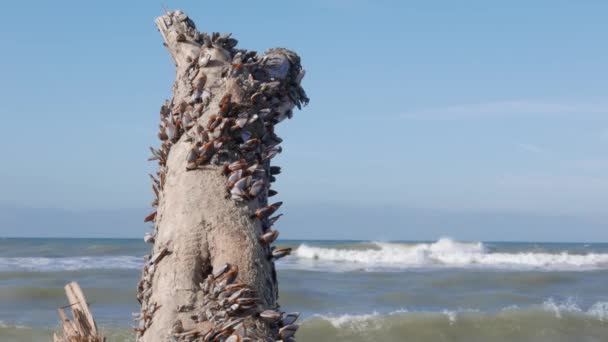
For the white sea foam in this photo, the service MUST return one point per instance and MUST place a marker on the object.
(374, 320)
(13, 326)
(362, 322)
(380, 256)
(69, 263)
(598, 310)
(443, 253)
(558, 308)
(451, 315)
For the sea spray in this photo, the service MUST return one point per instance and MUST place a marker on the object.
(365, 256)
(446, 253)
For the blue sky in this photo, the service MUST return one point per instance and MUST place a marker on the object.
(457, 108)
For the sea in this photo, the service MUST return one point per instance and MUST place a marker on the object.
(433, 291)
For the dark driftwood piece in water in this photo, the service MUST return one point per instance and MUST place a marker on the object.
(211, 274)
(82, 327)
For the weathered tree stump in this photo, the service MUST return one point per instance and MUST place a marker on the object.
(211, 275)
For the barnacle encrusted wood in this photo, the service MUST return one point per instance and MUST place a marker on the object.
(211, 275)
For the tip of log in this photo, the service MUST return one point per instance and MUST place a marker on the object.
(82, 326)
(178, 34)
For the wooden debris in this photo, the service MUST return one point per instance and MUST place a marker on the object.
(82, 327)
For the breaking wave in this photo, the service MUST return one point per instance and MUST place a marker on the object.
(558, 321)
(366, 256)
(598, 310)
(539, 323)
(443, 253)
(553, 320)
(40, 264)
(558, 310)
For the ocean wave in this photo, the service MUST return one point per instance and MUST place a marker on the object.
(598, 310)
(443, 253)
(534, 323)
(14, 326)
(70, 263)
(558, 309)
(550, 321)
(366, 256)
(19, 333)
(374, 320)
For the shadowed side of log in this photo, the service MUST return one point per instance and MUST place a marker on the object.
(82, 327)
(211, 275)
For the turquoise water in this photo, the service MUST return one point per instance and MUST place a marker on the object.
(346, 290)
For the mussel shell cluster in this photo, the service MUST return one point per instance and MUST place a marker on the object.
(227, 304)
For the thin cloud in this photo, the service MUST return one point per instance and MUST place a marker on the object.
(597, 165)
(507, 109)
(345, 4)
(532, 148)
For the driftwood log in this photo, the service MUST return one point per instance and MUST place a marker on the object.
(82, 327)
(211, 275)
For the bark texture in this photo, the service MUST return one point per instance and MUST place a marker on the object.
(211, 274)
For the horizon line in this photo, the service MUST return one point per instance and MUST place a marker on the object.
(341, 240)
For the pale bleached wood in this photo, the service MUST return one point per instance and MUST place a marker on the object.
(82, 326)
(75, 293)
